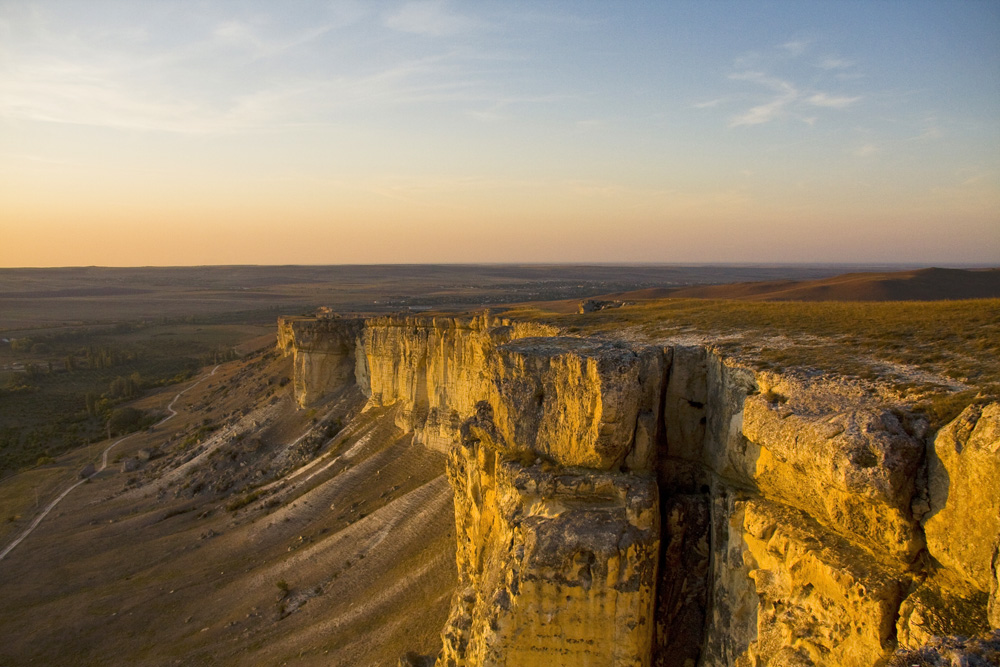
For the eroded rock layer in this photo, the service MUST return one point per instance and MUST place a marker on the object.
(619, 504)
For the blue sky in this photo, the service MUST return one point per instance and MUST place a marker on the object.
(334, 132)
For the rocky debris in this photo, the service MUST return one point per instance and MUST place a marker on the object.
(943, 605)
(88, 471)
(130, 464)
(952, 652)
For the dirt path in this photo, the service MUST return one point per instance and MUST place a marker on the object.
(104, 464)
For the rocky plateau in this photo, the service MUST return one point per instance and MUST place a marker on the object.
(641, 505)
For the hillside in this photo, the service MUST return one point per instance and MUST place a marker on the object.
(242, 531)
(920, 285)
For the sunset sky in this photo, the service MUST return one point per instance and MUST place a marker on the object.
(145, 132)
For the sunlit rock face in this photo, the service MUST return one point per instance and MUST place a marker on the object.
(963, 524)
(621, 504)
(822, 600)
(575, 401)
(323, 352)
(556, 565)
(436, 369)
(852, 471)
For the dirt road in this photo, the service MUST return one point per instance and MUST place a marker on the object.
(104, 464)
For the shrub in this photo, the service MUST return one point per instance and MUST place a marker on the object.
(128, 419)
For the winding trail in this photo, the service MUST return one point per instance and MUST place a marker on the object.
(104, 464)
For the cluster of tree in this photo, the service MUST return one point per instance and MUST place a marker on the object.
(126, 387)
(97, 405)
(120, 389)
(106, 357)
(128, 419)
(36, 445)
(27, 345)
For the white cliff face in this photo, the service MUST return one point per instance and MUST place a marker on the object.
(436, 369)
(574, 401)
(635, 505)
(555, 567)
(323, 354)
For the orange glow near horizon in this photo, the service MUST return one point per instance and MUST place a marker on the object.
(192, 134)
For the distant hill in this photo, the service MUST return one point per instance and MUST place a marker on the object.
(918, 285)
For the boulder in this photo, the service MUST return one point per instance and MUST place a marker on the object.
(963, 471)
(853, 471)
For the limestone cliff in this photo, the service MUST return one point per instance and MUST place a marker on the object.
(323, 354)
(620, 504)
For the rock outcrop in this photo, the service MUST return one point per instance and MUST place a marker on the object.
(551, 561)
(963, 521)
(621, 504)
(324, 353)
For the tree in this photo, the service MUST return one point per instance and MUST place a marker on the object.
(126, 420)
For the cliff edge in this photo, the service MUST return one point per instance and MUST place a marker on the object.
(626, 504)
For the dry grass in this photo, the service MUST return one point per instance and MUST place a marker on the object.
(919, 348)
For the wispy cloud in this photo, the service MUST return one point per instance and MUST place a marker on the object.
(831, 101)
(774, 83)
(760, 114)
(208, 78)
(429, 17)
(930, 131)
(832, 63)
(795, 47)
(783, 97)
(709, 104)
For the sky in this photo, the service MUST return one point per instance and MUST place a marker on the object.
(161, 132)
